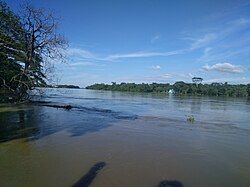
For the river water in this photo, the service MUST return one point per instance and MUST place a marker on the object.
(143, 139)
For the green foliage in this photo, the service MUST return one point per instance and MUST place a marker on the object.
(11, 51)
(180, 88)
(190, 119)
(67, 86)
(214, 89)
(132, 87)
(12, 34)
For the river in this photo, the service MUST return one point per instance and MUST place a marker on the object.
(143, 139)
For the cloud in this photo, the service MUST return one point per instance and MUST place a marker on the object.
(163, 78)
(214, 40)
(232, 40)
(155, 38)
(167, 75)
(82, 63)
(160, 78)
(197, 43)
(156, 67)
(231, 80)
(191, 75)
(80, 53)
(144, 54)
(203, 41)
(224, 67)
(80, 57)
(241, 21)
(223, 54)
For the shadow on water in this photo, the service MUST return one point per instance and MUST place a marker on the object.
(88, 178)
(170, 183)
(35, 122)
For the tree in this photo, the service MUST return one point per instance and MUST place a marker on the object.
(42, 39)
(31, 42)
(197, 80)
(11, 49)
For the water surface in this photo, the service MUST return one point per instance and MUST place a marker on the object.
(142, 138)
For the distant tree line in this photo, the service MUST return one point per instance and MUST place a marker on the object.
(180, 88)
(61, 86)
(131, 87)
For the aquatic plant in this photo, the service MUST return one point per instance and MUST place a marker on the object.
(190, 119)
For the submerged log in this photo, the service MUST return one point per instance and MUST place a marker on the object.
(53, 105)
(67, 107)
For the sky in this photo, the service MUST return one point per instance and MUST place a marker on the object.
(152, 40)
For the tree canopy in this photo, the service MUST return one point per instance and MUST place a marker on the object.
(131, 87)
(28, 42)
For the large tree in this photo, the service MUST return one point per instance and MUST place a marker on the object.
(28, 44)
(11, 49)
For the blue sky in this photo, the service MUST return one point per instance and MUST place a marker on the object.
(152, 40)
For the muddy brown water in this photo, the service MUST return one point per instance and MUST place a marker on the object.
(142, 138)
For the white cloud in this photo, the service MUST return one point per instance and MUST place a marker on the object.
(162, 78)
(203, 41)
(159, 78)
(223, 54)
(155, 38)
(82, 63)
(197, 43)
(241, 21)
(231, 80)
(156, 67)
(224, 67)
(144, 54)
(211, 38)
(167, 75)
(191, 75)
(80, 53)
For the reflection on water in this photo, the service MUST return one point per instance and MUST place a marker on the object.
(37, 121)
(144, 138)
(19, 123)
